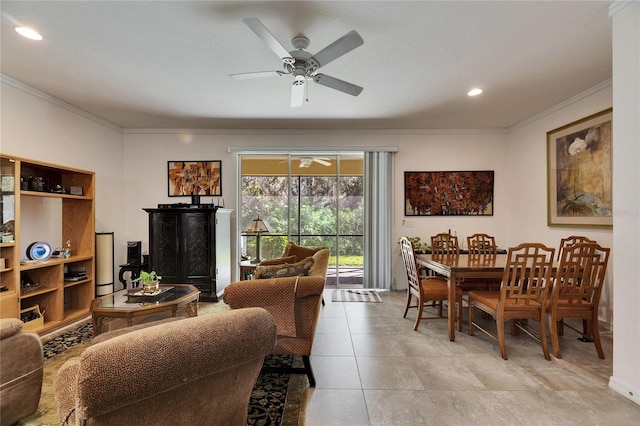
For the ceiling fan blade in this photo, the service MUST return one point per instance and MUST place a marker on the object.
(321, 161)
(343, 45)
(297, 93)
(261, 31)
(259, 74)
(336, 83)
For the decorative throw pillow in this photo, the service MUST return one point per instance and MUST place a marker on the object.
(320, 263)
(300, 252)
(278, 261)
(284, 270)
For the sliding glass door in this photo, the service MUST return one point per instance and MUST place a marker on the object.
(311, 200)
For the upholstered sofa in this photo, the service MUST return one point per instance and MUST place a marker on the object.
(194, 371)
(21, 369)
(294, 302)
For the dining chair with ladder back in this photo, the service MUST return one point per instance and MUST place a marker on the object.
(481, 247)
(444, 244)
(522, 294)
(481, 244)
(569, 241)
(576, 292)
(566, 242)
(424, 288)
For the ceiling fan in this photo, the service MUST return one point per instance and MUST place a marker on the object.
(301, 64)
(308, 161)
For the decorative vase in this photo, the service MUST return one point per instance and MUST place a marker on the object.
(150, 288)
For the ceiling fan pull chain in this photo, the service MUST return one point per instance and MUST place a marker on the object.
(306, 92)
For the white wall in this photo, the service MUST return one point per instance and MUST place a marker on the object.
(38, 127)
(453, 150)
(145, 174)
(527, 185)
(443, 151)
(626, 195)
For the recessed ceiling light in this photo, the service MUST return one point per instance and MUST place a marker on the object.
(474, 92)
(29, 33)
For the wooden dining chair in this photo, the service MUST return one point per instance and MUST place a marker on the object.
(424, 288)
(481, 244)
(566, 242)
(444, 244)
(481, 247)
(569, 241)
(576, 292)
(522, 294)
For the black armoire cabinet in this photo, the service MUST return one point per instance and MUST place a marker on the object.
(182, 246)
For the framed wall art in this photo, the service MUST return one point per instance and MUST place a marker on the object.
(464, 193)
(579, 172)
(194, 178)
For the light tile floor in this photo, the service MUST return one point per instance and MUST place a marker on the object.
(371, 368)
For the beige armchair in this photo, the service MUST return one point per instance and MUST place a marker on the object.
(21, 371)
(177, 372)
(294, 303)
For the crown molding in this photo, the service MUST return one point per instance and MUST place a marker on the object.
(314, 131)
(310, 149)
(57, 102)
(62, 104)
(618, 5)
(557, 107)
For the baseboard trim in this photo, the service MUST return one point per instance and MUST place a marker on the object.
(624, 389)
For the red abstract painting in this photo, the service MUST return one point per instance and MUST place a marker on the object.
(448, 193)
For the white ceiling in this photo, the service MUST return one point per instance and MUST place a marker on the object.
(165, 64)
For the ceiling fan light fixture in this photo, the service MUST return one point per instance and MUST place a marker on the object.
(297, 93)
(305, 162)
(29, 33)
(474, 92)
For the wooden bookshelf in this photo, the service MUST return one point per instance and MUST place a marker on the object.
(61, 302)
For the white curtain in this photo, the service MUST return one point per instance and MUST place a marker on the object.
(377, 219)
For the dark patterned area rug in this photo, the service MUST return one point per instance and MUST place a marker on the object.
(276, 399)
(58, 344)
(269, 395)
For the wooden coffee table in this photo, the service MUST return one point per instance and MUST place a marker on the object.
(122, 304)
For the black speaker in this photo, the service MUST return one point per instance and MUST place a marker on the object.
(134, 252)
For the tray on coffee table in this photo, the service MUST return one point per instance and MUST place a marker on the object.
(136, 295)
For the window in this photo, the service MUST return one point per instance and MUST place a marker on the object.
(312, 200)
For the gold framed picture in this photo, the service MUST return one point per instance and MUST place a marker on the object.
(579, 172)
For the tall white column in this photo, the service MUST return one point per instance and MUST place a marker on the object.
(626, 198)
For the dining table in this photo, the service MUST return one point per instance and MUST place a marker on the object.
(458, 267)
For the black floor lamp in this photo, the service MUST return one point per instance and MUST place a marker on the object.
(256, 227)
